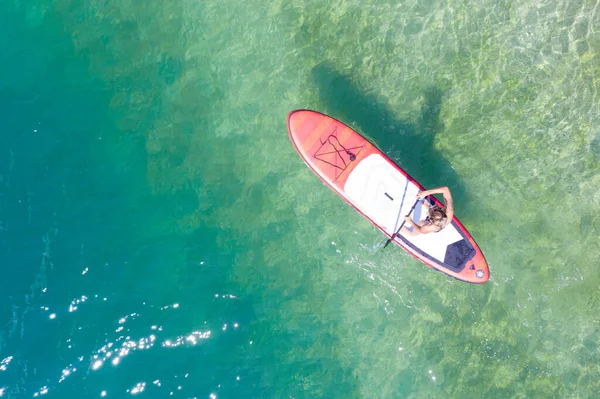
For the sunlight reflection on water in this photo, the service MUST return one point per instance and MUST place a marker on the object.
(114, 351)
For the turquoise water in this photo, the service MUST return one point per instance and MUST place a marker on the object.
(159, 237)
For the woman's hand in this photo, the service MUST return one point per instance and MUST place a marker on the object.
(407, 219)
(422, 195)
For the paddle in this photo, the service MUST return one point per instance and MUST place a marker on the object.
(402, 225)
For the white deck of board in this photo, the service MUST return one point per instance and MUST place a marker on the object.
(367, 186)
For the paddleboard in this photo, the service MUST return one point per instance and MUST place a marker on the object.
(382, 192)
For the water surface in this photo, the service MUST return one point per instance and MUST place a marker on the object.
(160, 237)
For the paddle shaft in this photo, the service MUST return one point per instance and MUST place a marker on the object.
(402, 225)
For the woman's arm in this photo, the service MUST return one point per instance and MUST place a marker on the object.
(438, 190)
(445, 191)
(449, 204)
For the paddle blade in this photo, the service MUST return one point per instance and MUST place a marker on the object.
(387, 243)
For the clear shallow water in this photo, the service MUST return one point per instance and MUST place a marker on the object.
(153, 211)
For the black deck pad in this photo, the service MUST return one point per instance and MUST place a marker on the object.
(458, 254)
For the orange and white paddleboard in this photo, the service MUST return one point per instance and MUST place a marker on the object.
(382, 192)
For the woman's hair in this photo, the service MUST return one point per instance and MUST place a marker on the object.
(437, 216)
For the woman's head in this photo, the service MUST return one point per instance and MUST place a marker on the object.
(437, 216)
